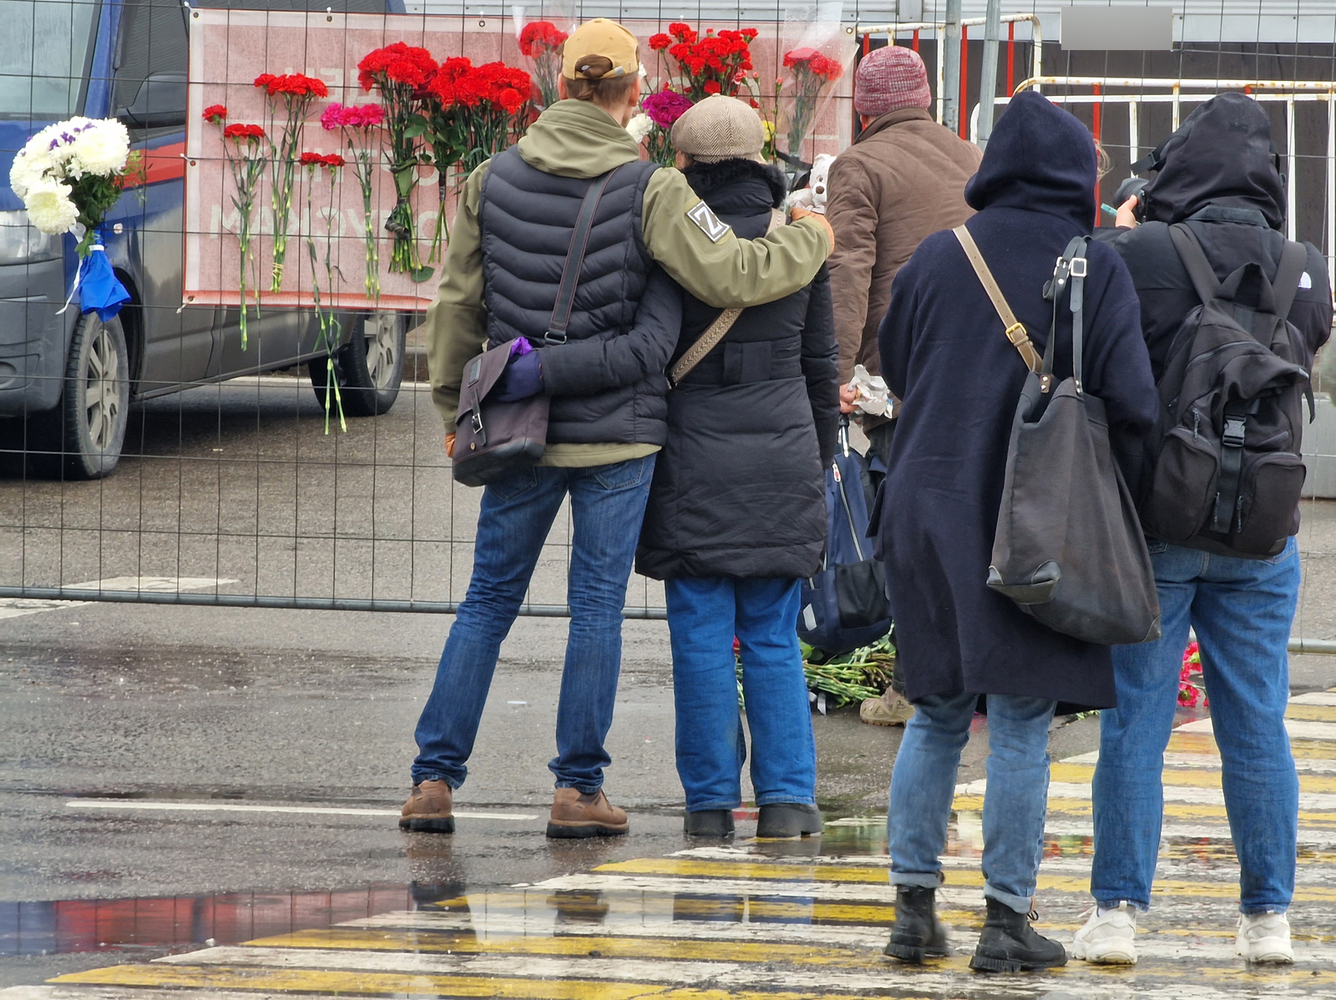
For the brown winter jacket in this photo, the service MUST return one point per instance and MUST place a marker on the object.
(902, 180)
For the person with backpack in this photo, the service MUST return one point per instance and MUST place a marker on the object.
(953, 363)
(577, 168)
(737, 515)
(1232, 314)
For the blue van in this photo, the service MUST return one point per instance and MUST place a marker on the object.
(67, 380)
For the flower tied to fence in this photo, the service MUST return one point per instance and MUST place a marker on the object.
(399, 71)
(540, 43)
(701, 66)
(295, 92)
(243, 146)
(663, 109)
(358, 123)
(69, 176)
(812, 74)
(440, 130)
(331, 331)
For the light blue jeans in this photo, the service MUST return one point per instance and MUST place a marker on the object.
(923, 784)
(1242, 610)
(607, 505)
(703, 617)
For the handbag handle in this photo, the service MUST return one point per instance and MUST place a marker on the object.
(1016, 332)
(1071, 266)
(717, 330)
(570, 273)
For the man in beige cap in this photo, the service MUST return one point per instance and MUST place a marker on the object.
(499, 283)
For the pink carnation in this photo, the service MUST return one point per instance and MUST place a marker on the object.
(665, 107)
(351, 116)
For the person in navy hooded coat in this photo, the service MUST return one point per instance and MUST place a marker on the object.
(945, 355)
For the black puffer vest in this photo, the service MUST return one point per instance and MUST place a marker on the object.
(527, 218)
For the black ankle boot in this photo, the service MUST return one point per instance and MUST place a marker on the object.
(716, 823)
(1009, 944)
(788, 819)
(917, 933)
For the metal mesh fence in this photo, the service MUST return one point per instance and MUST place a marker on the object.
(228, 490)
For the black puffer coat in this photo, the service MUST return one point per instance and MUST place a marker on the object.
(739, 488)
(526, 217)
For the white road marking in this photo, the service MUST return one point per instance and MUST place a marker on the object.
(1308, 801)
(1315, 698)
(1299, 729)
(776, 888)
(115, 804)
(14, 607)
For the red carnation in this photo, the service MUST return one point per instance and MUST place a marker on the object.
(660, 41)
(214, 113)
(712, 87)
(240, 132)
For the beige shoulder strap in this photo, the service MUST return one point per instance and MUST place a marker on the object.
(717, 330)
(1015, 329)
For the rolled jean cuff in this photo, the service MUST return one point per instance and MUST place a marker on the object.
(582, 789)
(695, 807)
(1021, 904)
(1112, 904)
(1253, 910)
(784, 799)
(921, 880)
(420, 776)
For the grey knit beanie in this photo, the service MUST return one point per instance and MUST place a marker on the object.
(889, 79)
(719, 128)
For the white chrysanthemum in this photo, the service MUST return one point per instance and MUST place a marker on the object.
(50, 208)
(640, 126)
(24, 172)
(101, 148)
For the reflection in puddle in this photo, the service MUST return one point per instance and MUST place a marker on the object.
(181, 922)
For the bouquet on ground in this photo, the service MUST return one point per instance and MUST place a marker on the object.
(244, 147)
(69, 176)
(813, 75)
(661, 111)
(399, 71)
(359, 123)
(331, 331)
(540, 45)
(295, 92)
(700, 66)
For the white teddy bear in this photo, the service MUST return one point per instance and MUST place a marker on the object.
(813, 197)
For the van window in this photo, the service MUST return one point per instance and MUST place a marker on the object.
(152, 40)
(45, 49)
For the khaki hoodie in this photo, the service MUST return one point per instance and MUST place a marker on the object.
(578, 139)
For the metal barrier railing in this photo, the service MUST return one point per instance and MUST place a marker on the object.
(1175, 92)
(916, 28)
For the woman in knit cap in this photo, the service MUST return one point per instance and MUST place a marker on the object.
(737, 510)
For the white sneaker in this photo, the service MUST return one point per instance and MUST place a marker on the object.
(1107, 939)
(1264, 937)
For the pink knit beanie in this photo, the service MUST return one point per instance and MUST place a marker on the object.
(888, 79)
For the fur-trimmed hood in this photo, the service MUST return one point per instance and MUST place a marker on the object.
(739, 188)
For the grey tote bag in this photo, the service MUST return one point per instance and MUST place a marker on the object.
(1068, 547)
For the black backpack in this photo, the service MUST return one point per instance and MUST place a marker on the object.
(1226, 459)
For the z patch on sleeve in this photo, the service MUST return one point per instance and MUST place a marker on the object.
(708, 222)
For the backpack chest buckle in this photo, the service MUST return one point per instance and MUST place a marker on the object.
(1233, 434)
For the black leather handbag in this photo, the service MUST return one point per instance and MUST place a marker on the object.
(1068, 547)
(492, 438)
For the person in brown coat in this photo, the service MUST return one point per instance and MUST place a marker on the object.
(902, 180)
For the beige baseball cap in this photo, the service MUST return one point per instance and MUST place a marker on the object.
(600, 37)
(720, 128)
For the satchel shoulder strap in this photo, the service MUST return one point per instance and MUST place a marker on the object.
(717, 330)
(1016, 332)
(570, 273)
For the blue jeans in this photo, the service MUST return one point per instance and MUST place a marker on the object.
(607, 505)
(1242, 610)
(703, 617)
(923, 785)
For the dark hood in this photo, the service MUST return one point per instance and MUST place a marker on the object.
(1039, 158)
(1221, 155)
(737, 188)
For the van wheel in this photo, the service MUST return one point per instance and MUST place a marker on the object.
(82, 437)
(369, 368)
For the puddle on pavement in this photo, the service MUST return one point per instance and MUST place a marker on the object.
(183, 922)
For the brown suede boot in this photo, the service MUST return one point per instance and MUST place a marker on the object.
(429, 808)
(577, 815)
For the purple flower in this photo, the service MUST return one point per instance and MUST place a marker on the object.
(665, 107)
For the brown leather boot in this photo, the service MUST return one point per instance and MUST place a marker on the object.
(429, 808)
(577, 815)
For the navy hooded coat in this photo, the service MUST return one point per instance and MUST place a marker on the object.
(944, 354)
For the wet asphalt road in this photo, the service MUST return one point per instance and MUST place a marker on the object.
(315, 710)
